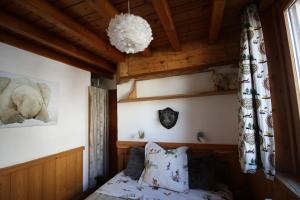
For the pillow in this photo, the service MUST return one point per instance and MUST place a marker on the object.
(165, 168)
(135, 164)
(201, 171)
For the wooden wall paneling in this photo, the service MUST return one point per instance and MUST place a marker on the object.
(49, 180)
(72, 175)
(66, 179)
(79, 171)
(35, 182)
(5, 187)
(19, 185)
(55, 177)
(61, 183)
(47, 11)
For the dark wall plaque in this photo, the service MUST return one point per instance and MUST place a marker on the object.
(168, 117)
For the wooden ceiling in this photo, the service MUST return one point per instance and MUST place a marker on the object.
(74, 31)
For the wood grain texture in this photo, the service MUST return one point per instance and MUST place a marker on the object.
(216, 19)
(164, 13)
(19, 185)
(191, 19)
(27, 30)
(50, 13)
(113, 132)
(35, 182)
(283, 89)
(261, 188)
(177, 96)
(106, 9)
(49, 180)
(55, 177)
(193, 58)
(5, 187)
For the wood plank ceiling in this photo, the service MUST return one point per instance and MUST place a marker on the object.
(74, 31)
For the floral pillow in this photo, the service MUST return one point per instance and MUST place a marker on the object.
(165, 168)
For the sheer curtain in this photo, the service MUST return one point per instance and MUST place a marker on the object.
(98, 135)
(256, 135)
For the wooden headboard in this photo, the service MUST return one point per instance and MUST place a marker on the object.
(228, 168)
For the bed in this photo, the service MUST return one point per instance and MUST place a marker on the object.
(123, 187)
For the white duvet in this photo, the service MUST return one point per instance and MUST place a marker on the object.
(122, 186)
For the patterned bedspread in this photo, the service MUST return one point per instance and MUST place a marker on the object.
(123, 187)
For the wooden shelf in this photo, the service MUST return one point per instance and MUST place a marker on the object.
(178, 96)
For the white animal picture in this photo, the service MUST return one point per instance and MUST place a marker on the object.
(27, 101)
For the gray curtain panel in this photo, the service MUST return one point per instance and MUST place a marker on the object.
(98, 134)
(256, 135)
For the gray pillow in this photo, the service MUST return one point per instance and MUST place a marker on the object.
(135, 164)
(201, 171)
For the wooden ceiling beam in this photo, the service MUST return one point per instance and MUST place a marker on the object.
(194, 57)
(216, 19)
(25, 29)
(52, 14)
(107, 10)
(163, 11)
(104, 8)
(41, 50)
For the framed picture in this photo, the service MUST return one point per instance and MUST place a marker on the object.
(26, 101)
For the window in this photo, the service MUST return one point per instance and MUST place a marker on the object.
(291, 51)
(293, 17)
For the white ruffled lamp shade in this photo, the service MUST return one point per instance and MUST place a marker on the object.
(129, 33)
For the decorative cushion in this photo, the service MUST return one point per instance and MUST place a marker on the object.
(165, 168)
(201, 171)
(135, 164)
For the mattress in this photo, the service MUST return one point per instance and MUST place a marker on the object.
(123, 187)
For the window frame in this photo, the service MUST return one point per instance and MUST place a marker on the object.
(284, 91)
(295, 63)
(293, 83)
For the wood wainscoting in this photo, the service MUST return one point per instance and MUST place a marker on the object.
(55, 177)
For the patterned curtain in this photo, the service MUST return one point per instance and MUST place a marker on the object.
(98, 135)
(256, 135)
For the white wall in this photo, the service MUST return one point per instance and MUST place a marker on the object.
(216, 116)
(19, 145)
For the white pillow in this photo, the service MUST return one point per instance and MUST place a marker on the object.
(165, 168)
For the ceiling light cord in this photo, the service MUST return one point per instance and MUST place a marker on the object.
(128, 7)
